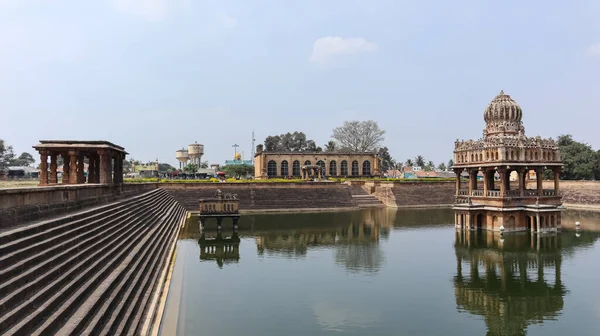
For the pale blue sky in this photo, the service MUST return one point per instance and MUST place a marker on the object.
(156, 75)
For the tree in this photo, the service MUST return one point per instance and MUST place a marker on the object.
(238, 170)
(409, 163)
(420, 161)
(330, 146)
(204, 164)
(290, 142)
(429, 166)
(190, 168)
(442, 167)
(359, 136)
(25, 159)
(6, 155)
(165, 167)
(386, 160)
(450, 163)
(579, 159)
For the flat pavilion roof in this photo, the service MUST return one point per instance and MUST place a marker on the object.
(78, 144)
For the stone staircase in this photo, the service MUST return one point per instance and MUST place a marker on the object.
(363, 199)
(92, 272)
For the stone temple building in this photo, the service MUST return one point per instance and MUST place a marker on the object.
(497, 204)
(314, 164)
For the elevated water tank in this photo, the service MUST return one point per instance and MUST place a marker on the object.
(195, 152)
(182, 156)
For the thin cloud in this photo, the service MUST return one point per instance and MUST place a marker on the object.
(594, 50)
(228, 21)
(327, 48)
(153, 10)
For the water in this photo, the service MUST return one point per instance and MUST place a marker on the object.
(383, 272)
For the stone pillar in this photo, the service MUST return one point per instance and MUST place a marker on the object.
(53, 179)
(539, 179)
(80, 169)
(43, 168)
(485, 182)
(105, 167)
(556, 180)
(502, 174)
(457, 172)
(73, 167)
(66, 161)
(521, 178)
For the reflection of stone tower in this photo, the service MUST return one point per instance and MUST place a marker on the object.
(512, 282)
(222, 250)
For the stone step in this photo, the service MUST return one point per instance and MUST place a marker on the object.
(89, 271)
(75, 309)
(57, 264)
(23, 259)
(29, 235)
(93, 313)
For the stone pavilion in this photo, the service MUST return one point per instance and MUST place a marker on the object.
(494, 203)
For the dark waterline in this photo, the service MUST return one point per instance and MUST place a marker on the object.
(383, 272)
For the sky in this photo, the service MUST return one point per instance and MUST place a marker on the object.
(156, 75)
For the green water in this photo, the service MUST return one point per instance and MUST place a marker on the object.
(383, 272)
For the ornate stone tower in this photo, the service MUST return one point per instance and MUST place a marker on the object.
(490, 200)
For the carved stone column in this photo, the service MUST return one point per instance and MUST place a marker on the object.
(73, 167)
(502, 174)
(521, 173)
(105, 167)
(53, 178)
(539, 179)
(66, 161)
(80, 169)
(556, 180)
(485, 182)
(43, 168)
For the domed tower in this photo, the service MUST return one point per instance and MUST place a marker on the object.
(503, 116)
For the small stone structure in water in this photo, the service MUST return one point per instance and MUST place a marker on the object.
(220, 206)
(503, 153)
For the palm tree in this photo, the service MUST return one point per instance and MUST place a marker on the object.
(442, 167)
(409, 163)
(420, 161)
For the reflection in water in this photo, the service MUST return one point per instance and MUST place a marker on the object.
(356, 244)
(512, 281)
(219, 248)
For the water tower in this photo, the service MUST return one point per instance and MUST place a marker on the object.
(195, 152)
(183, 157)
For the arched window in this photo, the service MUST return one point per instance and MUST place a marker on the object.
(271, 169)
(321, 164)
(496, 155)
(472, 158)
(332, 168)
(366, 168)
(535, 156)
(480, 157)
(544, 155)
(344, 168)
(307, 163)
(296, 168)
(355, 168)
(285, 169)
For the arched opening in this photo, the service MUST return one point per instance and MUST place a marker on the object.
(355, 171)
(321, 164)
(511, 223)
(307, 163)
(542, 223)
(332, 168)
(479, 222)
(552, 224)
(271, 168)
(296, 168)
(366, 168)
(285, 169)
(344, 168)
(535, 156)
(495, 222)
(472, 159)
(496, 155)
(529, 224)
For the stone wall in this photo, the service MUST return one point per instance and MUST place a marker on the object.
(267, 196)
(21, 205)
(412, 194)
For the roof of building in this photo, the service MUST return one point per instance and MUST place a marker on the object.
(78, 144)
(23, 168)
(317, 153)
(423, 173)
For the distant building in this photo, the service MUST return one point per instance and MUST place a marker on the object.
(22, 173)
(145, 170)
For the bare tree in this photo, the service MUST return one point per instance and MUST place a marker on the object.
(359, 136)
